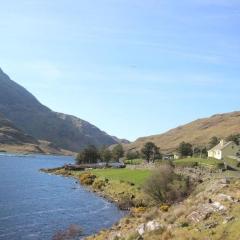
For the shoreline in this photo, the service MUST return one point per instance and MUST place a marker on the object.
(215, 200)
(99, 192)
(60, 171)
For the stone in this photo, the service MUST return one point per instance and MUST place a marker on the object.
(148, 227)
(153, 225)
(218, 206)
(210, 225)
(141, 229)
(225, 197)
(228, 219)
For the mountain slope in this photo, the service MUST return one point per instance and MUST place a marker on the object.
(197, 132)
(28, 114)
(9, 134)
(15, 140)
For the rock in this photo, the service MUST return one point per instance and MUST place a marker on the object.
(218, 206)
(148, 227)
(228, 219)
(225, 197)
(210, 225)
(141, 229)
(153, 225)
(224, 181)
(202, 213)
(115, 235)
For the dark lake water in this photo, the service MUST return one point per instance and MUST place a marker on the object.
(35, 205)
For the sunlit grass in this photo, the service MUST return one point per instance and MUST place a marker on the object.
(135, 176)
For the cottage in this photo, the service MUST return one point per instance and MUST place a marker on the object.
(224, 149)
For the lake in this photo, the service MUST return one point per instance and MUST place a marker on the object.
(35, 205)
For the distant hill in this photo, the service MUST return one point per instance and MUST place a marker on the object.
(29, 115)
(197, 132)
(121, 141)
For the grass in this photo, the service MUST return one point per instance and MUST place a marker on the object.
(135, 176)
(206, 162)
(232, 162)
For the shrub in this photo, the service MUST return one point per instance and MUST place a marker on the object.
(98, 184)
(164, 186)
(184, 224)
(87, 178)
(164, 208)
(138, 211)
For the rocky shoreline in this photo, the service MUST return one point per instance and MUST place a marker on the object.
(212, 209)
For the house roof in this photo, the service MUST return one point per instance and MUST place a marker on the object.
(221, 146)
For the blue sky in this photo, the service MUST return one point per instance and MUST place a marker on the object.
(131, 67)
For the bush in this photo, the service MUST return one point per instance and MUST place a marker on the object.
(138, 211)
(164, 186)
(98, 184)
(164, 208)
(87, 178)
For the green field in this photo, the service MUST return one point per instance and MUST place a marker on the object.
(205, 162)
(135, 176)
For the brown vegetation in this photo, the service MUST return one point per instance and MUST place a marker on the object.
(165, 186)
(198, 132)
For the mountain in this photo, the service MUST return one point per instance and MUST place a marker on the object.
(197, 132)
(15, 140)
(29, 115)
(9, 134)
(121, 141)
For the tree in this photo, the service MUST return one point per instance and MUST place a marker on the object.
(185, 149)
(164, 186)
(132, 155)
(88, 155)
(200, 151)
(234, 137)
(151, 152)
(117, 152)
(105, 155)
(213, 142)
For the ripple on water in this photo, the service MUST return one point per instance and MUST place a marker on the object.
(36, 205)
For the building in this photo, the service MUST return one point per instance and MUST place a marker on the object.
(171, 156)
(224, 149)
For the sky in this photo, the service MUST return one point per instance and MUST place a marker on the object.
(131, 67)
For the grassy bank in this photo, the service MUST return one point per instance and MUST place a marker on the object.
(122, 186)
(135, 176)
(212, 211)
(203, 162)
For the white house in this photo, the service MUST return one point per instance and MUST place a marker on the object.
(224, 149)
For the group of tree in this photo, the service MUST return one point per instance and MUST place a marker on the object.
(185, 149)
(213, 142)
(130, 155)
(234, 137)
(151, 152)
(216, 140)
(91, 154)
(188, 150)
